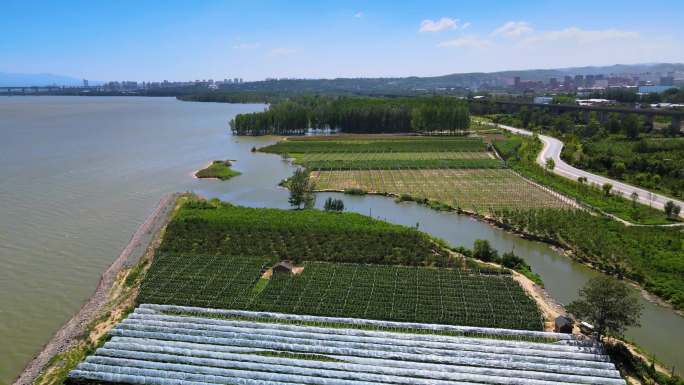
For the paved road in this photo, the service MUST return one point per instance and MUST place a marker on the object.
(552, 149)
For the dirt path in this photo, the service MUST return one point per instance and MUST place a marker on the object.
(549, 307)
(66, 335)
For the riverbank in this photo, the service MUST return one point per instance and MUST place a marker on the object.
(106, 306)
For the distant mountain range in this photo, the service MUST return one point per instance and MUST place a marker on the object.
(20, 80)
(368, 84)
(473, 80)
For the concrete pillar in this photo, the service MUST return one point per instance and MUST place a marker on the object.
(603, 117)
(676, 122)
(586, 115)
(648, 122)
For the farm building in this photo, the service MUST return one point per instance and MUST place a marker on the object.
(283, 267)
(563, 324)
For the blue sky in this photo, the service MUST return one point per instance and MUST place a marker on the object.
(178, 40)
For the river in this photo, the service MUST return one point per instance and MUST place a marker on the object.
(79, 174)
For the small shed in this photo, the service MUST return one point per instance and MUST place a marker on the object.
(563, 324)
(283, 267)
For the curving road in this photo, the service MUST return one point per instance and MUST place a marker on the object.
(552, 149)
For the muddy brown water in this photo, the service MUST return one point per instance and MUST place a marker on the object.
(79, 174)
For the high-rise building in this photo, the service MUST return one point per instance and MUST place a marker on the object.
(85, 83)
(553, 83)
(579, 80)
(516, 82)
(567, 82)
(589, 80)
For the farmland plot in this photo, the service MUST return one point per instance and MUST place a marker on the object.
(203, 280)
(399, 293)
(458, 172)
(479, 190)
(415, 144)
(330, 156)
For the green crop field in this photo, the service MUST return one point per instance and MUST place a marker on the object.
(384, 164)
(222, 229)
(202, 280)
(479, 190)
(399, 293)
(415, 144)
(215, 255)
(354, 156)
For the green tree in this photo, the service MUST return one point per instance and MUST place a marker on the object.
(610, 305)
(550, 164)
(614, 126)
(484, 252)
(635, 199)
(618, 169)
(631, 126)
(591, 129)
(672, 210)
(301, 190)
(607, 187)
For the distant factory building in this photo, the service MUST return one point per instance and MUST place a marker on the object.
(543, 99)
(654, 89)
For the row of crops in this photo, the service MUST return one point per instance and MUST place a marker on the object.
(209, 280)
(415, 144)
(396, 164)
(374, 155)
(154, 347)
(432, 295)
(478, 190)
(224, 229)
(400, 293)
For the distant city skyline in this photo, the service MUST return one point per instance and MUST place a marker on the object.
(180, 41)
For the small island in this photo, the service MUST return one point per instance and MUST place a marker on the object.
(219, 169)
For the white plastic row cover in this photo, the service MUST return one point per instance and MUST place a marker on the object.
(390, 342)
(321, 349)
(509, 354)
(359, 322)
(423, 340)
(441, 372)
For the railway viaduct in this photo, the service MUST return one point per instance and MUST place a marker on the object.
(601, 112)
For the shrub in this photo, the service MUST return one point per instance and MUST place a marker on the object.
(333, 204)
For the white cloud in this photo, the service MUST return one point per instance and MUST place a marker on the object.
(282, 51)
(581, 36)
(513, 29)
(466, 42)
(438, 25)
(247, 45)
(465, 25)
(359, 15)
